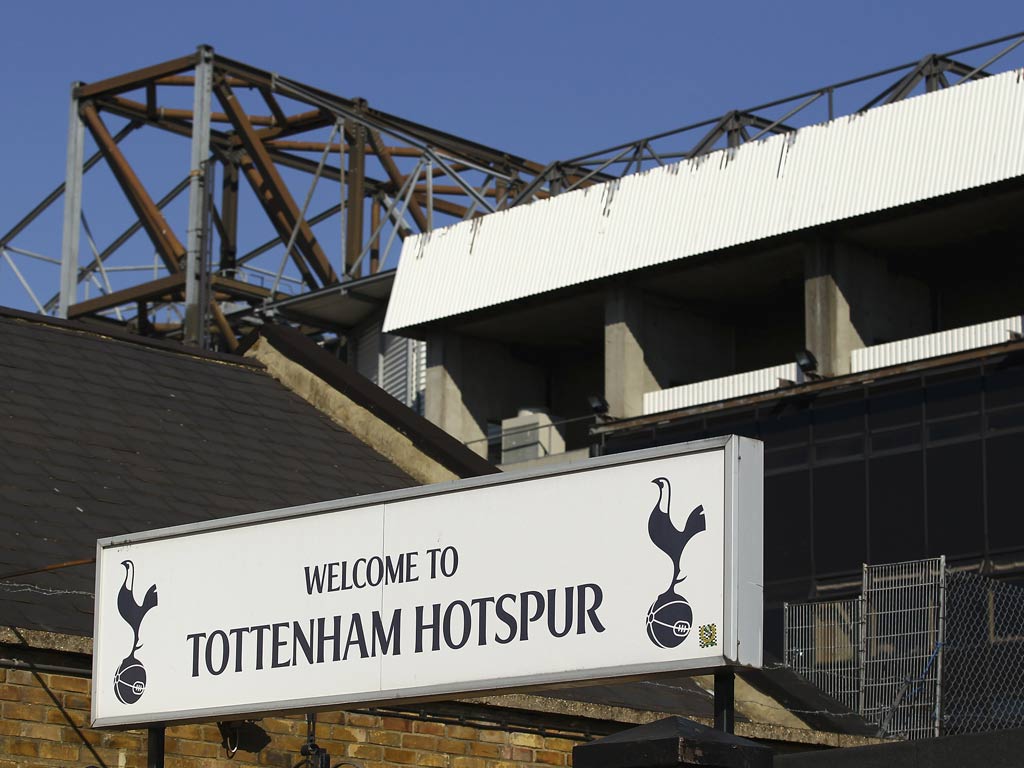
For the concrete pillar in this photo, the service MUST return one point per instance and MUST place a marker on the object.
(471, 382)
(626, 373)
(852, 299)
(651, 344)
(444, 403)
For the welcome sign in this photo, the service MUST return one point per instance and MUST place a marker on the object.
(627, 565)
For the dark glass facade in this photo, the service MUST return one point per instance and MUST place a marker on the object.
(898, 467)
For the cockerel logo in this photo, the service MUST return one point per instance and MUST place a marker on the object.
(130, 678)
(670, 617)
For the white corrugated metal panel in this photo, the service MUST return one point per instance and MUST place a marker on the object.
(713, 390)
(368, 351)
(420, 383)
(934, 344)
(915, 149)
(397, 368)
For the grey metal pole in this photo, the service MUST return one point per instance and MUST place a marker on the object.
(941, 645)
(155, 748)
(72, 207)
(196, 268)
(725, 700)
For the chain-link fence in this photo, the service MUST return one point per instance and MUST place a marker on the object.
(983, 657)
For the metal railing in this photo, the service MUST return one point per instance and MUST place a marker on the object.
(538, 435)
(930, 73)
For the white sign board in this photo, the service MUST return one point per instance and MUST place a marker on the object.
(626, 565)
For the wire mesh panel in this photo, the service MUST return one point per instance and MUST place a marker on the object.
(823, 643)
(903, 653)
(983, 664)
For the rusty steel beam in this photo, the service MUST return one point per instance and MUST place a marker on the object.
(160, 289)
(229, 216)
(239, 289)
(136, 79)
(160, 233)
(375, 244)
(158, 112)
(300, 123)
(273, 105)
(277, 216)
(396, 178)
(223, 326)
(444, 206)
(320, 146)
(454, 189)
(285, 210)
(189, 80)
(219, 140)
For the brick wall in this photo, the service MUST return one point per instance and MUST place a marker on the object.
(44, 721)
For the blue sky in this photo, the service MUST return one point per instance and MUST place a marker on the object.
(545, 80)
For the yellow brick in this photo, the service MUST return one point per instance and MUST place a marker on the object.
(15, 711)
(365, 751)
(522, 754)
(270, 757)
(41, 731)
(76, 701)
(293, 743)
(404, 756)
(548, 757)
(559, 745)
(193, 732)
(422, 726)
(419, 741)
(469, 762)
(363, 721)
(433, 760)
(25, 748)
(495, 737)
(125, 740)
(387, 738)
(483, 749)
(396, 723)
(453, 746)
(67, 683)
(32, 695)
(526, 740)
(461, 732)
(58, 751)
(21, 677)
(341, 733)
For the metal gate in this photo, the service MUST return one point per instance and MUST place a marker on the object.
(879, 654)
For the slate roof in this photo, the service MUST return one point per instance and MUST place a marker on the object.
(101, 435)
